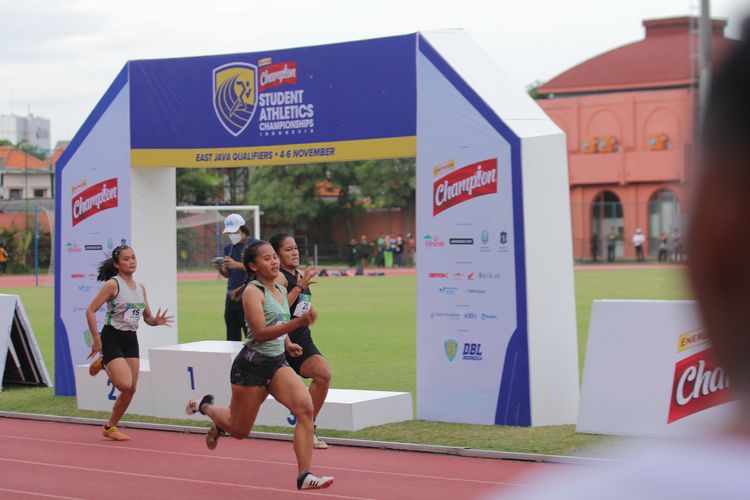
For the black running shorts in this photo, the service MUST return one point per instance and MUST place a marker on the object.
(303, 337)
(118, 344)
(252, 369)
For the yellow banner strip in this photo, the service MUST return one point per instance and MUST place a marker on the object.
(318, 152)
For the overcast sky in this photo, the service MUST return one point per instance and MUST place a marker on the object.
(57, 57)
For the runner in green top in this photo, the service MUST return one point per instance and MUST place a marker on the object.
(261, 368)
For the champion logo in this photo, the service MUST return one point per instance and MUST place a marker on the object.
(95, 199)
(472, 181)
(275, 75)
(699, 383)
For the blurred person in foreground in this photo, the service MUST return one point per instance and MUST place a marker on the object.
(715, 464)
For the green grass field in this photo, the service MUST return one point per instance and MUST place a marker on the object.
(366, 329)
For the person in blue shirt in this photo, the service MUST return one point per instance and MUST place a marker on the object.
(233, 270)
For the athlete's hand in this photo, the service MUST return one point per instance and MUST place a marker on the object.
(309, 317)
(96, 347)
(161, 318)
(294, 350)
(307, 277)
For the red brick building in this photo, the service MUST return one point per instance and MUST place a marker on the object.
(628, 116)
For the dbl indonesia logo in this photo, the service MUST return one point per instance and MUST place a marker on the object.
(472, 351)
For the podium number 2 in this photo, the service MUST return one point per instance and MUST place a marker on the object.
(111, 396)
(192, 378)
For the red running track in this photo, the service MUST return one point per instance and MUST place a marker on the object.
(60, 460)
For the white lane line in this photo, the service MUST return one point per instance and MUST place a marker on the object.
(171, 478)
(32, 493)
(263, 461)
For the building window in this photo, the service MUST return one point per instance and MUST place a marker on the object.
(14, 194)
(40, 193)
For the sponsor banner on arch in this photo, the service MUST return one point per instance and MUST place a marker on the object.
(650, 371)
(326, 103)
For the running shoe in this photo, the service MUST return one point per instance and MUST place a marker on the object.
(96, 366)
(309, 481)
(199, 405)
(114, 434)
(212, 437)
(318, 443)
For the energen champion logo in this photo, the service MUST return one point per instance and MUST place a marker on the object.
(235, 95)
(93, 200)
(469, 182)
(699, 383)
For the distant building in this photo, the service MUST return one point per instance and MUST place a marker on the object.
(628, 116)
(33, 129)
(23, 176)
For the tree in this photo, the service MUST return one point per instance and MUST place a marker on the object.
(196, 186)
(288, 196)
(30, 149)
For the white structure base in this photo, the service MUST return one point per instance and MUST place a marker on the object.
(174, 374)
(97, 393)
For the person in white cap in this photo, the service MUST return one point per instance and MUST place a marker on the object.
(232, 268)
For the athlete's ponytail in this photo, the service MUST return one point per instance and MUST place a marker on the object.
(248, 256)
(107, 269)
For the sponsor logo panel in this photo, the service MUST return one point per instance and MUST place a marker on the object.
(467, 183)
(699, 383)
(97, 198)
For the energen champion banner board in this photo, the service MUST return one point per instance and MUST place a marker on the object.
(650, 371)
(470, 316)
(326, 103)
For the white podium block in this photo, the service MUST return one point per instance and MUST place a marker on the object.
(346, 410)
(98, 393)
(185, 371)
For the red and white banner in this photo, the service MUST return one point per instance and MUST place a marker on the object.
(650, 371)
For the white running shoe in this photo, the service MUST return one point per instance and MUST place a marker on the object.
(310, 481)
(318, 443)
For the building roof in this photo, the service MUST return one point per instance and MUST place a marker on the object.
(12, 157)
(661, 60)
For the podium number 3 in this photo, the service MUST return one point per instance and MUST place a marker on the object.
(192, 378)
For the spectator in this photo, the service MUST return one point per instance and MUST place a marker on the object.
(594, 247)
(611, 245)
(663, 247)
(3, 258)
(676, 245)
(411, 245)
(352, 253)
(364, 249)
(398, 251)
(232, 268)
(380, 251)
(638, 240)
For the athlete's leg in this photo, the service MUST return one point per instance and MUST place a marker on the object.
(287, 388)
(123, 372)
(238, 419)
(316, 367)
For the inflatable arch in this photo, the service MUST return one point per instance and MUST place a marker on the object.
(496, 328)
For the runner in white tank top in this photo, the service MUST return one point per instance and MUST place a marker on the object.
(118, 342)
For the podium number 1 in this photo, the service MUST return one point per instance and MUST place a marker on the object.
(192, 378)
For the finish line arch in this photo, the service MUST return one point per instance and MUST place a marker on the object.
(496, 329)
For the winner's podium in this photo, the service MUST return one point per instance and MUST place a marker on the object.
(174, 374)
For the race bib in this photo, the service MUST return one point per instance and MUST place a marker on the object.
(133, 314)
(303, 305)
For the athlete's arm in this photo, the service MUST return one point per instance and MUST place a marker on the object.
(252, 304)
(161, 318)
(106, 292)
